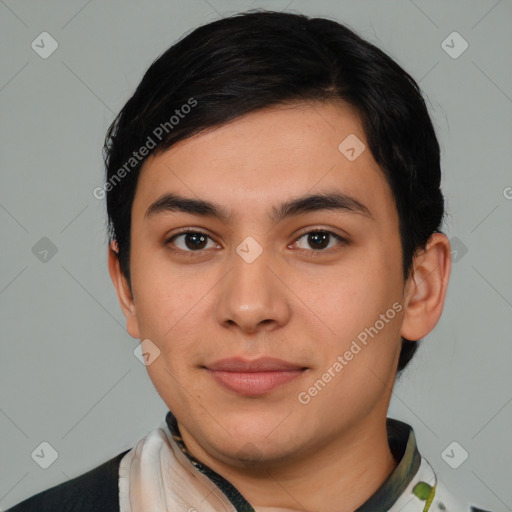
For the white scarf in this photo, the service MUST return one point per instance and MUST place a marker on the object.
(156, 476)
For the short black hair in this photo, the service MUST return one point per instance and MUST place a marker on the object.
(256, 59)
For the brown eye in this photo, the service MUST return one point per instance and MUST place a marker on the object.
(319, 240)
(190, 241)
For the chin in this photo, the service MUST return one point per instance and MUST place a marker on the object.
(255, 453)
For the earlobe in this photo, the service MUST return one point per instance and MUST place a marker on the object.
(426, 288)
(123, 291)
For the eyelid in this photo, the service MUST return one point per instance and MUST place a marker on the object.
(323, 229)
(189, 229)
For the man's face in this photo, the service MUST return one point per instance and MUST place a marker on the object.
(259, 287)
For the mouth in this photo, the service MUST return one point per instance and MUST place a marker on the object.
(253, 378)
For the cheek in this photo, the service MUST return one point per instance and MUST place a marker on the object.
(345, 299)
(357, 301)
(164, 295)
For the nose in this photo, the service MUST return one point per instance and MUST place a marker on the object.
(252, 296)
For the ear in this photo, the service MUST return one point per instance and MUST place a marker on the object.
(124, 293)
(425, 290)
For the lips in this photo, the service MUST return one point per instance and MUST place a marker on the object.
(263, 364)
(253, 377)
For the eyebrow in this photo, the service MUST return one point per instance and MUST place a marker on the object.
(332, 201)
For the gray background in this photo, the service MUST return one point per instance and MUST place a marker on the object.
(68, 373)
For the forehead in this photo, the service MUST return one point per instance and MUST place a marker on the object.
(261, 158)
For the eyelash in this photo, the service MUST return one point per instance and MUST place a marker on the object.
(341, 241)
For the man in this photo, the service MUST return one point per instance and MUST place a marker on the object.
(274, 203)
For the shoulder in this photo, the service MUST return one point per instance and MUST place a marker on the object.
(97, 490)
(427, 492)
(445, 501)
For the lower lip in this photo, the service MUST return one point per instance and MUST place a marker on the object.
(254, 383)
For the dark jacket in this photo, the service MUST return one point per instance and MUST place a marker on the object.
(94, 491)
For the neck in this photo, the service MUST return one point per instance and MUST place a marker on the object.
(338, 476)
